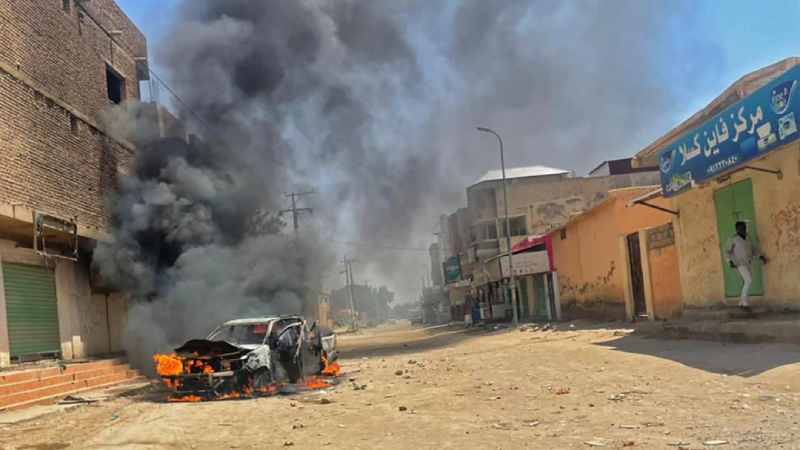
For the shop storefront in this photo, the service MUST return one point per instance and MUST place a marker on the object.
(740, 165)
(537, 281)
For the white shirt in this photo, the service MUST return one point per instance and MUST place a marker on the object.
(741, 252)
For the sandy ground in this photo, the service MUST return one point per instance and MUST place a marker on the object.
(446, 388)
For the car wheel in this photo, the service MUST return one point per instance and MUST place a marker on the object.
(262, 378)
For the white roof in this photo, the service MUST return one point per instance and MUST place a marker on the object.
(521, 172)
(257, 320)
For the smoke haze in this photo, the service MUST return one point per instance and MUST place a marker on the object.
(374, 104)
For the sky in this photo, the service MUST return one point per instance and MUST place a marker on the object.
(740, 36)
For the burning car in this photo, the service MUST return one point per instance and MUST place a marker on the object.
(247, 357)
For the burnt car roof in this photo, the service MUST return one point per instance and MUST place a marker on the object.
(257, 320)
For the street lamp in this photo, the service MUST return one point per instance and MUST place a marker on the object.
(508, 225)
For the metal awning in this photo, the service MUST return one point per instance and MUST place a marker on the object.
(645, 199)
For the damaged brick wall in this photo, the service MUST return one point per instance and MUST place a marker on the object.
(66, 54)
(54, 154)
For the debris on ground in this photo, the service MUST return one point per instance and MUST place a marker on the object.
(325, 401)
(595, 443)
(562, 391)
(402, 408)
(617, 397)
(398, 372)
(715, 442)
(288, 443)
(73, 400)
(628, 443)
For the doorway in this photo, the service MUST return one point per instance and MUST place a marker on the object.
(733, 204)
(637, 276)
(540, 297)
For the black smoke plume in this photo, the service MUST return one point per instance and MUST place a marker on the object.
(374, 104)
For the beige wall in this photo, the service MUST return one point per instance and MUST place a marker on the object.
(777, 208)
(84, 327)
(665, 282)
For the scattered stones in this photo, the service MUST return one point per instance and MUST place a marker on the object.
(325, 401)
(628, 443)
(653, 424)
(562, 391)
(288, 443)
(412, 361)
(678, 444)
(398, 372)
(402, 408)
(297, 426)
(532, 423)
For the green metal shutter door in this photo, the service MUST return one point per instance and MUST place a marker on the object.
(32, 311)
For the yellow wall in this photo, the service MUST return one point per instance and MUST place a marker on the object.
(589, 263)
(777, 207)
(666, 283)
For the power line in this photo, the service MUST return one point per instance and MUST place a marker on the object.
(348, 271)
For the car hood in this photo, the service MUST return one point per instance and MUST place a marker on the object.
(204, 347)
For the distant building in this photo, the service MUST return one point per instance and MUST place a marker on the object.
(437, 277)
(540, 199)
(619, 167)
(62, 65)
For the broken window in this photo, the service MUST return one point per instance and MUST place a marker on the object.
(73, 124)
(563, 234)
(518, 227)
(116, 85)
(66, 6)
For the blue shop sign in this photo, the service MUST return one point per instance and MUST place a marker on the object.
(759, 123)
(452, 269)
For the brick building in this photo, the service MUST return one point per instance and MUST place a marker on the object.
(62, 64)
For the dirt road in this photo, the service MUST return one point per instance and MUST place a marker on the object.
(445, 388)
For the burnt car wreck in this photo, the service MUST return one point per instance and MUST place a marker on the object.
(248, 357)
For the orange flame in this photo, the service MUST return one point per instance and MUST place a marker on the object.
(186, 399)
(316, 383)
(168, 365)
(330, 369)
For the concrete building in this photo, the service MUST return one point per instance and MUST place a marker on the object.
(62, 64)
(737, 160)
(540, 199)
(619, 167)
(618, 260)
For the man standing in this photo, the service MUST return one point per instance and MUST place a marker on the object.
(741, 253)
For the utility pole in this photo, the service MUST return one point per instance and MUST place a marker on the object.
(348, 272)
(295, 210)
